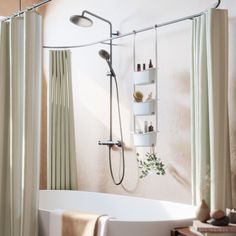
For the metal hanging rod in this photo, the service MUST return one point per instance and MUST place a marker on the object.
(216, 5)
(20, 5)
(37, 5)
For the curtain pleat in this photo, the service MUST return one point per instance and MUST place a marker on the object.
(20, 121)
(33, 89)
(5, 178)
(211, 179)
(72, 153)
(62, 172)
(63, 105)
(17, 114)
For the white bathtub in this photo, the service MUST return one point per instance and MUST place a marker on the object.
(132, 216)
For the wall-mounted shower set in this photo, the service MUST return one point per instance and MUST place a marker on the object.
(84, 21)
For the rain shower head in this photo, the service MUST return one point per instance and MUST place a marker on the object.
(81, 20)
(104, 54)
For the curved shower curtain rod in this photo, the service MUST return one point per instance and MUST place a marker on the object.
(36, 5)
(216, 5)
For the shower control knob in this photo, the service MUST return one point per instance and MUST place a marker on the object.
(110, 143)
(118, 143)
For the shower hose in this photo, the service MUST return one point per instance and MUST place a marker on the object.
(121, 139)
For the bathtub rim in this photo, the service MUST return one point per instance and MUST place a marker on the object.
(113, 219)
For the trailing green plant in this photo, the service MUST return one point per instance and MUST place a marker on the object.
(151, 164)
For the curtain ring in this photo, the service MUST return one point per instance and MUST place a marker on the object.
(35, 6)
(12, 16)
(18, 14)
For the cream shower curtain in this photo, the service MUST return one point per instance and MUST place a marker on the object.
(20, 119)
(62, 171)
(210, 127)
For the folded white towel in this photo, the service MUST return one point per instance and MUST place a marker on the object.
(55, 224)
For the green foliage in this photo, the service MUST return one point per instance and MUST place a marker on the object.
(150, 165)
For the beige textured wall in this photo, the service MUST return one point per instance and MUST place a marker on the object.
(91, 93)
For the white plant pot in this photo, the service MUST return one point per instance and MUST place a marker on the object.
(145, 140)
(144, 77)
(144, 108)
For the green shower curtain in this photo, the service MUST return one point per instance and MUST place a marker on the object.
(211, 171)
(20, 123)
(62, 171)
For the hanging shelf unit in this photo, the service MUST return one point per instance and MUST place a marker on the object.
(144, 108)
(145, 77)
(148, 108)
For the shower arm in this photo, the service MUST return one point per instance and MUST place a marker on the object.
(110, 26)
(98, 17)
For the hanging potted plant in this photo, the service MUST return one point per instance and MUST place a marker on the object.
(151, 164)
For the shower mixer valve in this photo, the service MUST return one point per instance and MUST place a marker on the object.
(110, 143)
(108, 73)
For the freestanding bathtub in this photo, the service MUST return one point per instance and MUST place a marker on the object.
(131, 216)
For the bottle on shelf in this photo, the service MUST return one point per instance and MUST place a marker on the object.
(150, 64)
(150, 127)
(144, 66)
(138, 67)
(149, 98)
(145, 126)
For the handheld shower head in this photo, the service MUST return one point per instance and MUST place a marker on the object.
(106, 56)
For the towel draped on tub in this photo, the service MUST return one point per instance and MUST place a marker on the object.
(75, 223)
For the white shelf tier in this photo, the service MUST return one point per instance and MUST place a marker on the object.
(145, 140)
(144, 77)
(144, 108)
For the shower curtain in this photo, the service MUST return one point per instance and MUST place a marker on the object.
(20, 113)
(210, 126)
(62, 171)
